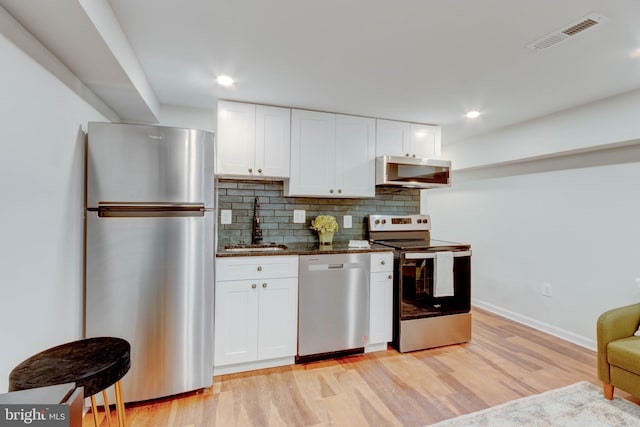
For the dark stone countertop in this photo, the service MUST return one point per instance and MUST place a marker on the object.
(305, 248)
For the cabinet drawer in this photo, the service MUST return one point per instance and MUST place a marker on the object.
(381, 261)
(256, 267)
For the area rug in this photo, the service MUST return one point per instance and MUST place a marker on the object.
(581, 404)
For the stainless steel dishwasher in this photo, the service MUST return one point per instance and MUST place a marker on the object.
(333, 304)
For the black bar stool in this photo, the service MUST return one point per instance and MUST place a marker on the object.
(92, 363)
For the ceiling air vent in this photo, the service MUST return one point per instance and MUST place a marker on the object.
(581, 25)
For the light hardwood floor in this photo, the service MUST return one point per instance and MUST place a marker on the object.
(504, 361)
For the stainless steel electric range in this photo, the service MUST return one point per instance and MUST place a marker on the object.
(432, 283)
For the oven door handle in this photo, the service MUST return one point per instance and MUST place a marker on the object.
(429, 255)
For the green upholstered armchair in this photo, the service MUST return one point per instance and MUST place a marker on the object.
(619, 350)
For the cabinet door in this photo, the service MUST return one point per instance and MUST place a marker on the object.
(381, 261)
(393, 138)
(236, 322)
(236, 138)
(355, 156)
(278, 318)
(381, 308)
(425, 141)
(273, 141)
(312, 154)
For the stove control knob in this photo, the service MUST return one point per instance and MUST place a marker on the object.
(377, 221)
(384, 221)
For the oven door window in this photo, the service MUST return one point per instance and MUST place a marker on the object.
(417, 289)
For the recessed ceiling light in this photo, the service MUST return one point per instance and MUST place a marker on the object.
(472, 114)
(224, 80)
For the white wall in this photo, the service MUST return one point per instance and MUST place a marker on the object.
(571, 221)
(41, 223)
(607, 122)
(187, 117)
(104, 20)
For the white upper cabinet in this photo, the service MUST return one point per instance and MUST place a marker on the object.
(312, 153)
(425, 141)
(355, 156)
(236, 138)
(395, 138)
(273, 141)
(332, 155)
(253, 140)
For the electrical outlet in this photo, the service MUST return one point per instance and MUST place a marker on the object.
(547, 290)
(225, 216)
(299, 216)
(346, 220)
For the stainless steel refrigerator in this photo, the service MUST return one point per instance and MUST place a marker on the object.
(149, 254)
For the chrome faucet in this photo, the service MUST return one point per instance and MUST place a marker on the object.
(256, 234)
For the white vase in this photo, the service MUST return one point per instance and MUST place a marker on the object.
(326, 238)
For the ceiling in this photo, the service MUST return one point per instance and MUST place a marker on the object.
(425, 61)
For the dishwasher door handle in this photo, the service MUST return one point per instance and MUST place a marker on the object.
(324, 267)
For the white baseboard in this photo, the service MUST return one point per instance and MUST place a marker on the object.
(252, 366)
(580, 340)
(375, 347)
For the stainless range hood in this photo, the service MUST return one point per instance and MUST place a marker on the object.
(412, 172)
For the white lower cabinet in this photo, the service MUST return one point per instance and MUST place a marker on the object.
(256, 310)
(236, 322)
(380, 301)
(256, 319)
(278, 318)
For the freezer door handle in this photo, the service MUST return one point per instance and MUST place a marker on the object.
(148, 210)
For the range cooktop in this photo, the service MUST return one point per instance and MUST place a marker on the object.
(421, 244)
(408, 233)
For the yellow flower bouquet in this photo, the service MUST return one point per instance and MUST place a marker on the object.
(324, 224)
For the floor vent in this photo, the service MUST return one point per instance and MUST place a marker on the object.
(581, 25)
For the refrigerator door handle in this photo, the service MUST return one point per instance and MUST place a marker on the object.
(147, 210)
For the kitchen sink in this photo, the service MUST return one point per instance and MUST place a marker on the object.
(255, 248)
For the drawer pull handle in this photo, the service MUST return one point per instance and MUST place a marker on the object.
(382, 263)
(390, 276)
(264, 285)
(259, 170)
(254, 286)
(250, 170)
(259, 268)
